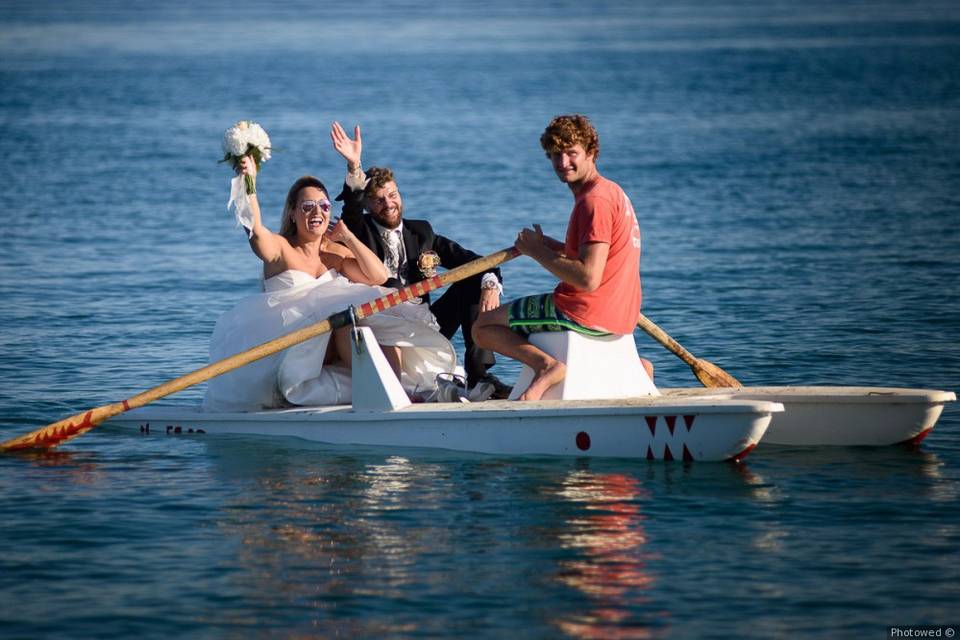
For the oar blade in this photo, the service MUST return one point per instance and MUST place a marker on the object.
(53, 434)
(712, 376)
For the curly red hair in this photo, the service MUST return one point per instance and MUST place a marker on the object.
(566, 131)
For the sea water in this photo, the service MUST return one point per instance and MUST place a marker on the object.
(796, 174)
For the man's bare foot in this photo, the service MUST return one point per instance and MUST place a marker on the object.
(544, 379)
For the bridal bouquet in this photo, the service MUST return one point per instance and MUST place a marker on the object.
(246, 138)
(242, 139)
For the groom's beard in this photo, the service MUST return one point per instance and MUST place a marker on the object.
(390, 217)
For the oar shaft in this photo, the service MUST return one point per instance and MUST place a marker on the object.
(663, 338)
(709, 374)
(58, 432)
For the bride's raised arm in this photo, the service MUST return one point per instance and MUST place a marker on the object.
(265, 243)
(356, 261)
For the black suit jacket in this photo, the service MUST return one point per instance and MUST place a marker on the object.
(418, 236)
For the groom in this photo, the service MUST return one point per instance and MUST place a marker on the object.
(407, 248)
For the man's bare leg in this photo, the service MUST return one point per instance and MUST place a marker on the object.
(491, 331)
(648, 367)
(543, 379)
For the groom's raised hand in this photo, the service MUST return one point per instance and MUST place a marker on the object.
(349, 148)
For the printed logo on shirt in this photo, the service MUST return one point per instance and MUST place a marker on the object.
(628, 211)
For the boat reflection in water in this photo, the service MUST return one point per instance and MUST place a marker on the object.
(609, 563)
(319, 541)
(365, 544)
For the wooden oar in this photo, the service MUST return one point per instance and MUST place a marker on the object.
(59, 432)
(709, 374)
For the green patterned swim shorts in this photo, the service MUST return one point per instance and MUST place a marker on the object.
(534, 314)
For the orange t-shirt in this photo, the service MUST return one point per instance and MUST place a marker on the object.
(602, 213)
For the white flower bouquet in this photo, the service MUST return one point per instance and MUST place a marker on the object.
(246, 138)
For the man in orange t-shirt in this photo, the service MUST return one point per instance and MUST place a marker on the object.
(598, 264)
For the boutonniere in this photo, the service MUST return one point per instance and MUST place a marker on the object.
(428, 263)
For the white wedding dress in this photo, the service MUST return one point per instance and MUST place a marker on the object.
(294, 299)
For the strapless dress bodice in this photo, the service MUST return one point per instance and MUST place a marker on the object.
(293, 278)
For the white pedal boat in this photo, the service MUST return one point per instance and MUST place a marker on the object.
(651, 427)
(636, 419)
(840, 416)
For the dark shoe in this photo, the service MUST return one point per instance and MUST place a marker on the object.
(501, 391)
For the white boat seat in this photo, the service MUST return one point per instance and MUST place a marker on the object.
(597, 368)
(375, 385)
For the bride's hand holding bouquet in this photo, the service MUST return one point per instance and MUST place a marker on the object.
(247, 167)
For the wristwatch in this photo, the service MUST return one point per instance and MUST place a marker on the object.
(490, 284)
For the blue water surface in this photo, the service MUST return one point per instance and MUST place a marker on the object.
(795, 168)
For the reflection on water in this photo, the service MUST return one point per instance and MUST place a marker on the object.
(48, 469)
(335, 537)
(351, 541)
(391, 492)
(52, 458)
(609, 563)
(362, 543)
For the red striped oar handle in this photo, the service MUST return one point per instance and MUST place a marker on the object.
(63, 430)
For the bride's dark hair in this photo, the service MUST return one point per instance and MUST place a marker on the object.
(288, 227)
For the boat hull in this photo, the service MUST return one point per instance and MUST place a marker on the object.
(644, 428)
(839, 416)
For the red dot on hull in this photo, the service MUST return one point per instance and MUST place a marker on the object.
(583, 441)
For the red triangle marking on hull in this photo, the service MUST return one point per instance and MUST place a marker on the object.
(652, 424)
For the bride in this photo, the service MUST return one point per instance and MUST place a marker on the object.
(311, 271)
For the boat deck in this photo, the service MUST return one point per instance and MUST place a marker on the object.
(817, 394)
